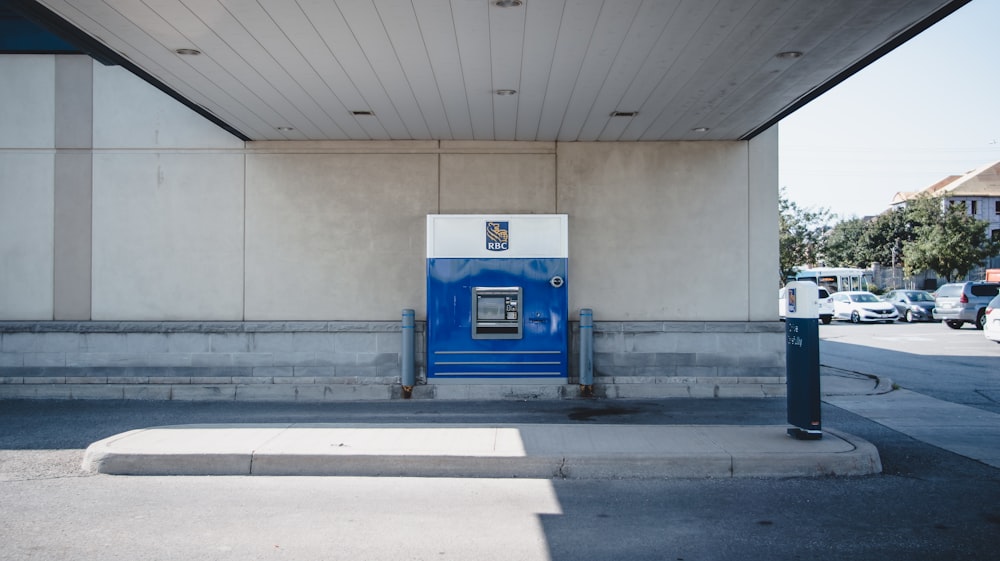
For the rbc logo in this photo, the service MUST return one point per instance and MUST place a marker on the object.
(497, 236)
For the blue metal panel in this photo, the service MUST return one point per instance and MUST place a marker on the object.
(452, 352)
(18, 34)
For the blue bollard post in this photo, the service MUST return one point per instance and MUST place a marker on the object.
(587, 352)
(802, 361)
(408, 378)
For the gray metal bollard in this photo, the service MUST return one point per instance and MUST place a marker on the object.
(408, 377)
(586, 352)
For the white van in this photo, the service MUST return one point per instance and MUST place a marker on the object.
(825, 304)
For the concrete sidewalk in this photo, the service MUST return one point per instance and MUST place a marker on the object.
(471, 450)
(617, 451)
(966, 431)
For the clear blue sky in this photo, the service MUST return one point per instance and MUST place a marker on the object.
(929, 109)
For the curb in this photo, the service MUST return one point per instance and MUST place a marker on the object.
(481, 451)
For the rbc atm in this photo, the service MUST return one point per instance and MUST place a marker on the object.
(496, 298)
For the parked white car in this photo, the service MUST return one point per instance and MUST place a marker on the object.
(825, 304)
(991, 327)
(859, 306)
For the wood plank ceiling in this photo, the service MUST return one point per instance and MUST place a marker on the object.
(580, 70)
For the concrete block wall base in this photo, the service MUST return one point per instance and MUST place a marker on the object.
(292, 392)
(305, 393)
(657, 389)
(337, 361)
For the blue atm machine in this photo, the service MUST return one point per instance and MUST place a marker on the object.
(497, 308)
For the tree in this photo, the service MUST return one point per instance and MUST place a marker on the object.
(885, 236)
(950, 242)
(800, 234)
(843, 242)
(858, 242)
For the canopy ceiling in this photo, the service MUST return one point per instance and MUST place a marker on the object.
(575, 70)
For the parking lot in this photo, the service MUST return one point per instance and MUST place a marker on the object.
(918, 338)
(957, 365)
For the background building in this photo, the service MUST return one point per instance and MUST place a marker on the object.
(977, 190)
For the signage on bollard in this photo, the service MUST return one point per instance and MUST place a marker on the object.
(802, 360)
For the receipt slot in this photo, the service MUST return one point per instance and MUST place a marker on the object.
(497, 299)
(802, 360)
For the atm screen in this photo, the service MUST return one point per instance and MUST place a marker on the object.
(491, 308)
(497, 313)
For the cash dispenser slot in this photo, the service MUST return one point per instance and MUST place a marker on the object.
(497, 312)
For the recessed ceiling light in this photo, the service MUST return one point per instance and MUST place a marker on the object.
(789, 54)
(700, 129)
(186, 51)
(285, 129)
(363, 113)
(508, 3)
(624, 113)
(506, 92)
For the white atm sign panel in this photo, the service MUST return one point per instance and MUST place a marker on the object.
(508, 236)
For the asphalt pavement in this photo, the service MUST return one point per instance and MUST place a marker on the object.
(931, 501)
(570, 439)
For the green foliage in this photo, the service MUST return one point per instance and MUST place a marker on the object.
(800, 234)
(858, 243)
(924, 235)
(951, 243)
(922, 211)
(885, 236)
(843, 243)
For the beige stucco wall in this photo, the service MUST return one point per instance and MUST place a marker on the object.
(168, 236)
(27, 168)
(762, 235)
(26, 232)
(191, 224)
(336, 230)
(337, 236)
(501, 177)
(658, 231)
(167, 207)
(28, 94)
(129, 113)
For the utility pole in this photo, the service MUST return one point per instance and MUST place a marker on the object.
(895, 251)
